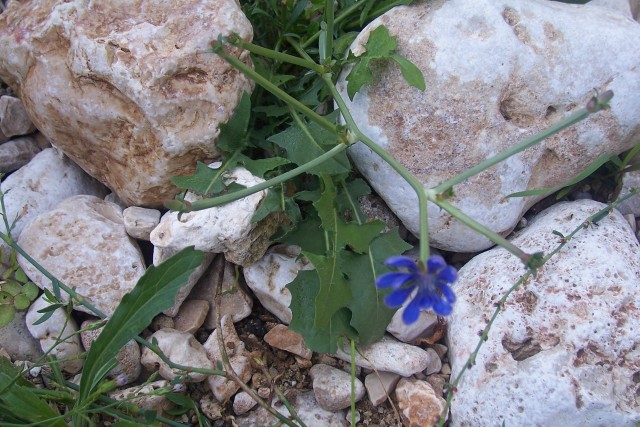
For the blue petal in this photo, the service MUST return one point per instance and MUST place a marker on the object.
(448, 274)
(398, 297)
(427, 300)
(412, 312)
(435, 263)
(442, 307)
(393, 280)
(447, 292)
(402, 262)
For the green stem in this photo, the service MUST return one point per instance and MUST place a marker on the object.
(341, 17)
(227, 198)
(401, 170)
(262, 81)
(327, 51)
(527, 143)
(353, 382)
(278, 56)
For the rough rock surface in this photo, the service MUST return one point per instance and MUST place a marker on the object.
(379, 385)
(332, 387)
(181, 348)
(269, 276)
(144, 397)
(224, 229)
(83, 243)
(17, 341)
(285, 339)
(139, 222)
(630, 180)
(55, 327)
(419, 405)
(14, 119)
(478, 104)
(19, 151)
(564, 349)
(126, 89)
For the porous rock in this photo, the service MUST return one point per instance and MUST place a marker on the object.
(269, 276)
(478, 103)
(568, 337)
(128, 356)
(58, 325)
(83, 243)
(418, 403)
(332, 387)
(181, 348)
(128, 90)
(224, 229)
(391, 355)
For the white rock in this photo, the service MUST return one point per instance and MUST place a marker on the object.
(19, 151)
(405, 333)
(563, 350)
(221, 387)
(191, 315)
(83, 243)
(418, 403)
(223, 229)
(389, 355)
(128, 356)
(40, 185)
(181, 348)
(235, 300)
(139, 222)
(268, 277)
(306, 408)
(14, 119)
(162, 254)
(479, 103)
(435, 364)
(146, 397)
(127, 90)
(632, 204)
(332, 387)
(243, 403)
(56, 327)
(17, 340)
(380, 385)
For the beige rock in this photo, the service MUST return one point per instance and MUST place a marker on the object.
(145, 397)
(221, 387)
(235, 300)
(243, 403)
(380, 385)
(332, 387)
(191, 315)
(210, 407)
(479, 103)
(139, 222)
(418, 403)
(129, 89)
(83, 243)
(181, 348)
(14, 119)
(128, 356)
(285, 339)
(18, 152)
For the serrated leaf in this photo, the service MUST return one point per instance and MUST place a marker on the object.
(359, 76)
(155, 292)
(206, 181)
(276, 201)
(308, 234)
(410, 72)
(380, 43)
(233, 134)
(19, 400)
(370, 317)
(306, 144)
(334, 292)
(7, 312)
(261, 166)
(21, 302)
(304, 289)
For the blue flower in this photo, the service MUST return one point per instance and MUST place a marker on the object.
(429, 286)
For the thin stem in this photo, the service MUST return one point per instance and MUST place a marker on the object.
(353, 382)
(417, 186)
(527, 143)
(327, 51)
(278, 56)
(262, 81)
(227, 198)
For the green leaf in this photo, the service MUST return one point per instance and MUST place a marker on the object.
(155, 291)
(6, 298)
(276, 201)
(261, 166)
(359, 76)
(30, 290)
(18, 399)
(380, 43)
(7, 312)
(233, 134)
(304, 289)
(410, 72)
(308, 234)
(11, 287)
(21, 302)
(20, 276)
(370, 317)
(206, 181)
(584, 174)
(306, 141)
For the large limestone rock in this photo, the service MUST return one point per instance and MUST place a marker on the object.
(564, 350)
(496, 72)
(127, 89)
(83, 243)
